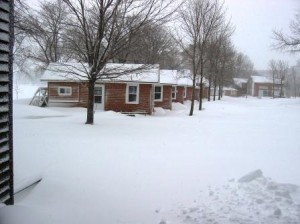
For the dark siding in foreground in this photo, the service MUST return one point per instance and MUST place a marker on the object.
(6, 60)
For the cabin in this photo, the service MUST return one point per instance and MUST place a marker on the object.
(176, 87)
(126, 88)
(123, 87)
(261, 86)
(229, 91)
(240, 84)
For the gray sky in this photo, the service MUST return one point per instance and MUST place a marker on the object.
(254, 21)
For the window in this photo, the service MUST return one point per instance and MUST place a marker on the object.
(158, 93)
(98, 94)
(64, 91)
(184, 92)
(174, 91)
(263, 91)
(132, 94)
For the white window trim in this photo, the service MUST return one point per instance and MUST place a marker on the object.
(64, 94)
(174, 98)
(103, 93)
(161, 95)
(138, 94)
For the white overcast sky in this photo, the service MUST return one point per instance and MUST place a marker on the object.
(254, 21)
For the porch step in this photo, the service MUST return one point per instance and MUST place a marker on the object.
(133, 113)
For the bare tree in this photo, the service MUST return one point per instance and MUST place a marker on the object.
(100, 29)
(288, 42)
(21, 46)
(244, 67)
(153, 44)
(274, 73)
(279, 70)
(226, 66)
(294, 82)
(283, 69)
(218, 57)
(44, 28)
(213, 64)
(200, 19)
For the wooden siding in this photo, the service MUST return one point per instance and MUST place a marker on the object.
(55, 97)
(83, 94)
(166, 103)
(179, 94)
(115, 98)
(189, 92)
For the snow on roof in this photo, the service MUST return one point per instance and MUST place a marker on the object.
(264, 79)
(65, 71)
(111, 72)
(173, 77)
(261, 79)
(239, 81)
(168, 77)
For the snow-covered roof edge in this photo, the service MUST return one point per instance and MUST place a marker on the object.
(112, 72)
(263, 79)
(240, 81)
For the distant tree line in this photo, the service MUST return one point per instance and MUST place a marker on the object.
(131, 31)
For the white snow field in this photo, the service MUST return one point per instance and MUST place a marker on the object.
(168, 168)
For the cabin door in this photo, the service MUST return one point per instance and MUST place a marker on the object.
(99, 97)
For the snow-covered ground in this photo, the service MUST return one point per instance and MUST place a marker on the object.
(167, 168)
(23, 91)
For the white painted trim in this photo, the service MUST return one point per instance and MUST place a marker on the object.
(102, 105)
(137, 93)
(174, 98)
(64, 87)
(161, 95)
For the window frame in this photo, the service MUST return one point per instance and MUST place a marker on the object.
(102, 93)
(66, 88)
(137, 93)
(161, 93)
(175, 92)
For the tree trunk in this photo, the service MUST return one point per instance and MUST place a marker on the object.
(209, 86)
(295, 86)
(273, 87)
(281, 91)
(201, 93)
(193, 96)
(221, 88)
(201, 80)
(215, 88)
(90, 105)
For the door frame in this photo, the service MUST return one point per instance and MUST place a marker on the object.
(100, 106)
